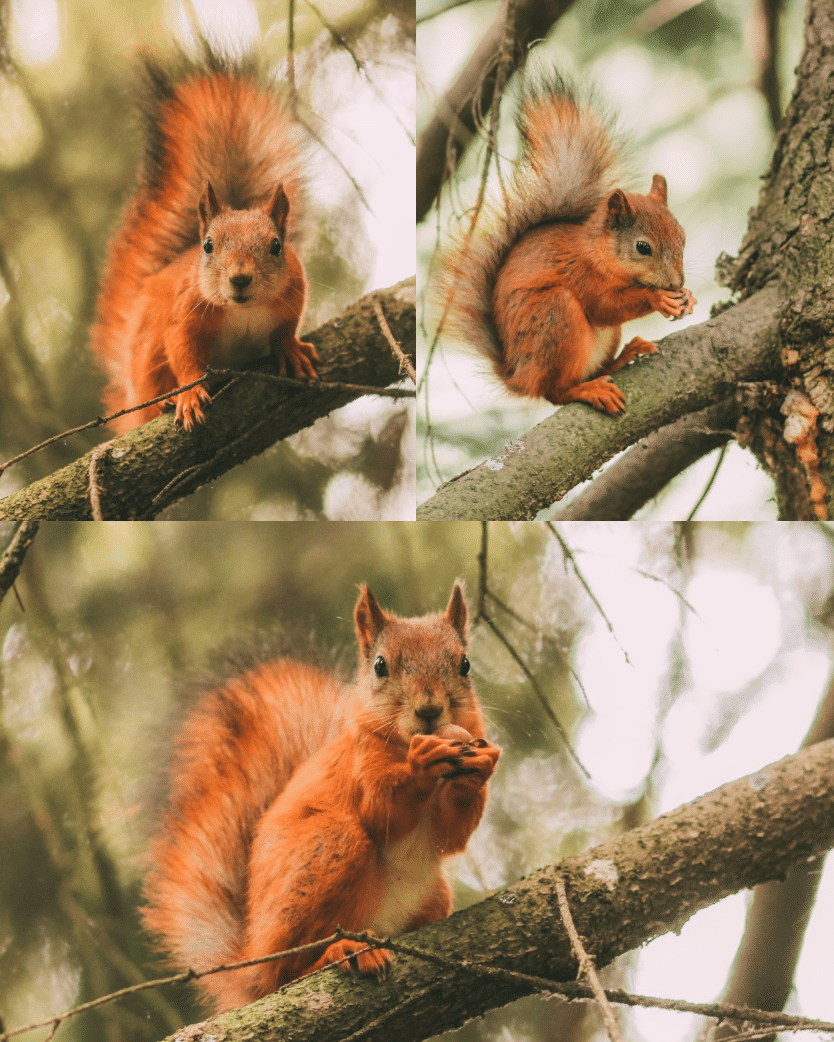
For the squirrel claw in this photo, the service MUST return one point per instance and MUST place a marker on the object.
(190, 407)
(301, 354)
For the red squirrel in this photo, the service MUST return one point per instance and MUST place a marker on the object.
(299, 804)
(201, 270)
(543, 284)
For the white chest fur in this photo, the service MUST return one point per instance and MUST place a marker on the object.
(601, 349)
(411, 873)
(244, 334)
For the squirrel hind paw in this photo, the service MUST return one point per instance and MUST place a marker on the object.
(602, 394)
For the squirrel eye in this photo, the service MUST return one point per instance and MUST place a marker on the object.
(208, 245)
(275, 247)
(644, 248)
(464, 666)
(380, 668)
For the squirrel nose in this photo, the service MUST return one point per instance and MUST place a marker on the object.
(240, 281)
(428, 714)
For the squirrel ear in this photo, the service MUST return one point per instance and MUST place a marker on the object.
(618, 206)
(278, 208)
(369, 619)
(209, 208)
(658, 189)
(457, 613)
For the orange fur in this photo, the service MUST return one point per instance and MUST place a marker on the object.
(544, 284)
(223, 163)
(298, 806)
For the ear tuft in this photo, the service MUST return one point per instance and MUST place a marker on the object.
(658, 188)
(208, 208)
(369, 619)
(457, 613)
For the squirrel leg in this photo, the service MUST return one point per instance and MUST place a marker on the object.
(636, 346)
(308, 875)
(299, 353)
(462, 798)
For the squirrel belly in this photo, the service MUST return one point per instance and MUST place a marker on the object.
(201, 270)
(299, 805)
(543, 284)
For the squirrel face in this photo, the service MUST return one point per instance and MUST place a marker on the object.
(242, 252)
(414, 674)
(647, 239)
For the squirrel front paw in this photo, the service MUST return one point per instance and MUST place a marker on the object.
(355, 957)
(189, 406)
(673, 303)
(440, 757)
(300, 354)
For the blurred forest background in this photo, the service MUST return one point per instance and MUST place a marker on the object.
(700, 87)
(704, 656)
(68, 153)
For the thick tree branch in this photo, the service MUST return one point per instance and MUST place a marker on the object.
(698, 366)
(151, 467)
(622, 894)
(645, 470)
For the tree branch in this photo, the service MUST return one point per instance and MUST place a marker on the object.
(623, 893)
(698, 366)
(645, 470)
(12, 560)
(155, 465)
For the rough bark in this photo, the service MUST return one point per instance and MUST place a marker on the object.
(622, 894)
(789, 239)
(696, 367)
(157, 464)
(645, 470)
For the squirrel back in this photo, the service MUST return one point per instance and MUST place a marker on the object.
(298, 805)
(218, 139)
(549, 273)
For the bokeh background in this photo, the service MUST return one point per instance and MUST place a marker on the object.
(698, 87)
(68, 153)
(705, 658)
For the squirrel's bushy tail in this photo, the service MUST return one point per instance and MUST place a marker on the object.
(208, 119)
(571, 157)
(235, 754)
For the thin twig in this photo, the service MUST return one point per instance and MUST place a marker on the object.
(98, 453)
(586, 963)
(361, 67)
(482, 570)
(721, 454)
(568, 989)
(179, 978)
(545, 636)
(12, 560)
(539, 693)
(315, 385)
(99, 422)
(567, 553)
(404, 363)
